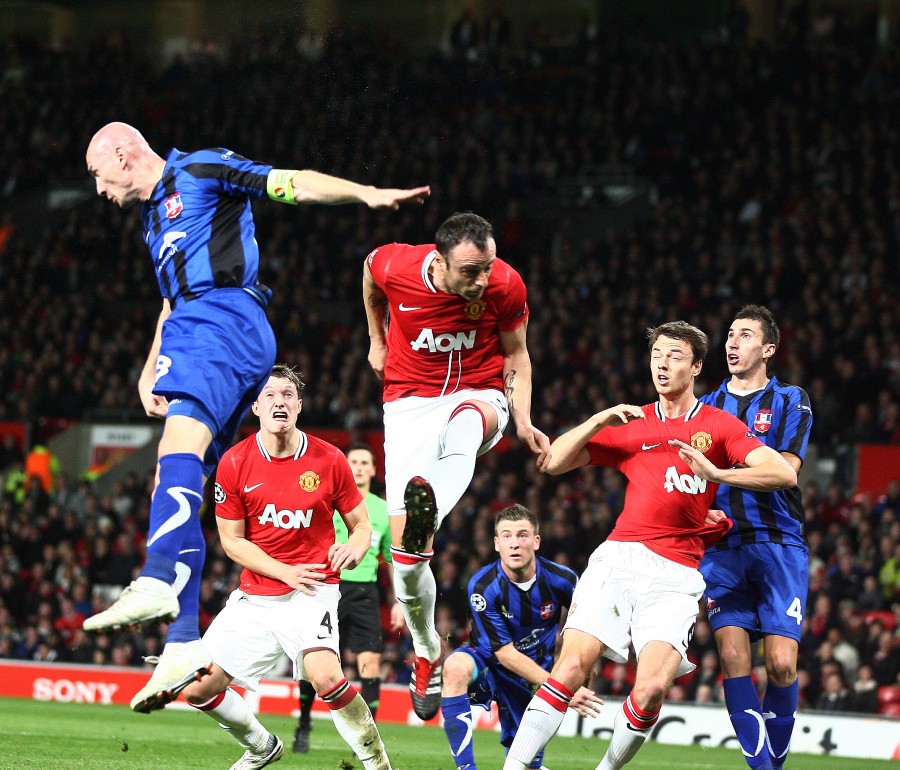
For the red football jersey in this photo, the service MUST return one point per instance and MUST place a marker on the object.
(665, 503)
(288, 503)
(439, 343)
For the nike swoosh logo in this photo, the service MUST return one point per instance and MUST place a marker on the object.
(180, 517)
(327, 636)
(404, 309)
(250, 489)
(645, 447)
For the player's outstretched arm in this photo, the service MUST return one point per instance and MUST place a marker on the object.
(765, 469)
(376, 304)
(314, 187)
(154, 406)
(517, 385)
(569, 450)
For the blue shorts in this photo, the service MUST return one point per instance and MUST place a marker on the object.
(512, 693)
(760, 587)
(216, 355)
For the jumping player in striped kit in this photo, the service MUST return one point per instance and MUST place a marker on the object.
(211, 355)
(757, 575)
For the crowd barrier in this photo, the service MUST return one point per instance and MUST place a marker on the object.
(815, 733)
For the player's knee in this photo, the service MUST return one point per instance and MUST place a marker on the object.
(732, 659)
(200, 692)
(571, 671)
(457, 674)
(781, 668)
(649, 693)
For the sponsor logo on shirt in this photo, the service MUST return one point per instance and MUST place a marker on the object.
(443, 343)
(689, 485)
(174, 206)
(763, 421)
(309, 481)
(286, 519)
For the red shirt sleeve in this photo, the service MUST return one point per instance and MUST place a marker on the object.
(346, 493)
(377, 260)
(228, 502)
(515, 305)
(606, 449)
(739, 442)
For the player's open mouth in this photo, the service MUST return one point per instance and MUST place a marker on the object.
(662, 379)
(733, 358)
(279, 415)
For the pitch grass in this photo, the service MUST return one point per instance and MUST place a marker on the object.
(55, 736)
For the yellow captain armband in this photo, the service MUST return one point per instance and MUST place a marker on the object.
(279, 187)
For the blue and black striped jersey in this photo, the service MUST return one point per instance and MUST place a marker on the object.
(502, 613)
(780, 416)
(199, 227)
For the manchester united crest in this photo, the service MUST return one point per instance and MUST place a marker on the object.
(309, 481)
(474, 309)
(701, 441)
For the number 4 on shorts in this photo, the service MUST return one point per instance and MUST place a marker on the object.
(795, 610)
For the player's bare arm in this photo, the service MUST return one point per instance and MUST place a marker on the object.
(375, 302)
(250, 556)
(568, 451)
(348, 555)
(586, 702)
(314, 187)
(154, 406)
(517, 385)
(765, 470)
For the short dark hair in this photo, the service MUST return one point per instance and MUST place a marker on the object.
(681, 330)
(771, 335)
(362, 447)
(516, 512)
(463, 227)
(287, 372)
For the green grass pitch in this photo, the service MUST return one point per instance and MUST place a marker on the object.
(54, 736)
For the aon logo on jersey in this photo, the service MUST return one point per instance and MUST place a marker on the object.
(286, 519)
(443, 343)
(690, 485)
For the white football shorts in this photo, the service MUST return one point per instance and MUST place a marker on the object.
(249, 635)
(629, 595)
(414, 433)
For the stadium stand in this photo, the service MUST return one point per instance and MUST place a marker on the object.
(766, 174)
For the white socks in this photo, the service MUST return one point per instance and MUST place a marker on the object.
(416, 591)
(233, 714)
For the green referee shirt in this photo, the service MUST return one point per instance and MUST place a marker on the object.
(367, 570)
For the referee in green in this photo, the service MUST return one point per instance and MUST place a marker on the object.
(359, 610)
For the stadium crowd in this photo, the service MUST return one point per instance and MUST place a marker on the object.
(774, 179)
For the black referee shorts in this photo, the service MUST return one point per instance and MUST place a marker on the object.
(359, 617)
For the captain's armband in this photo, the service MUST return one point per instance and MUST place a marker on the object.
(279, 187)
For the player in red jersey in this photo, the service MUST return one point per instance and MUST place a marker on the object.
(275, 496)
(447, 325)
(641, 587)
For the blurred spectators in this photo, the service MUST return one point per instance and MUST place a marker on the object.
(773, 178)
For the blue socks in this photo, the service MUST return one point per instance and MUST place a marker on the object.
(176, 503)
(779, 708)
(458, 726)
(188, 574)
(749, 726)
